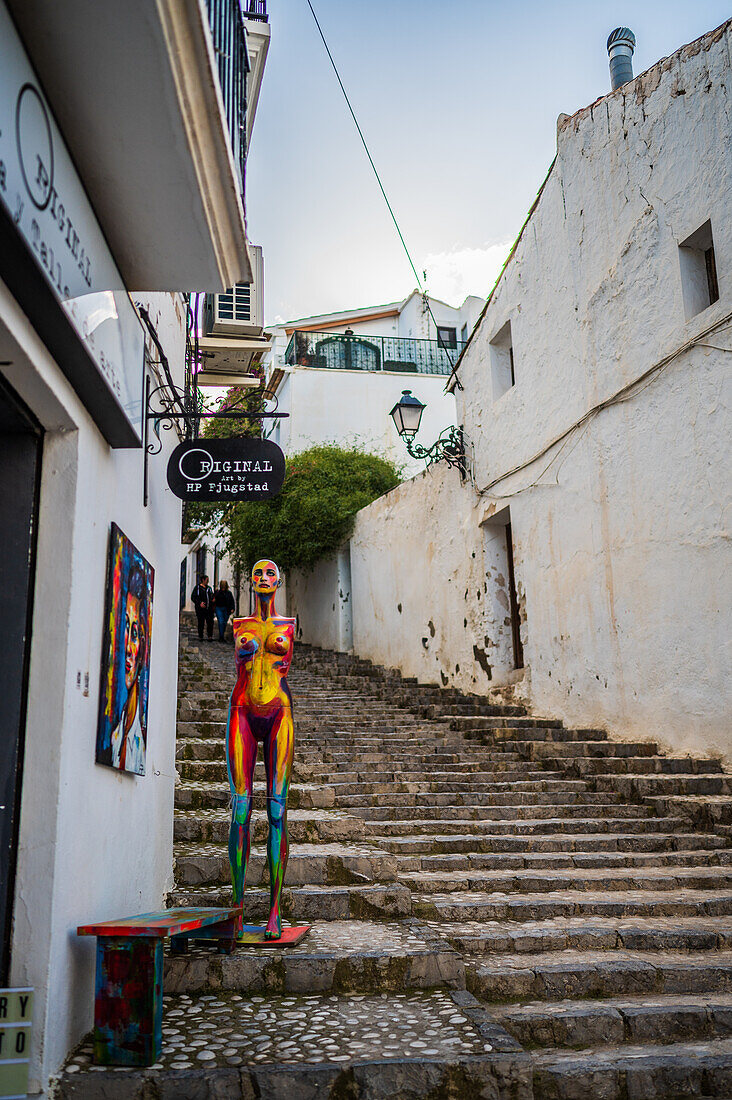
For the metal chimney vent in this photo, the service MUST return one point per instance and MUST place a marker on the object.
(620, 46)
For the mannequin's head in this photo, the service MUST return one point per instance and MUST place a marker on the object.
(265, 577)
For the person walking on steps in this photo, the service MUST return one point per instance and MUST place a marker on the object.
(223, 606)
(203, 601)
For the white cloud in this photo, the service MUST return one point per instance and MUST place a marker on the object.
(453, 275)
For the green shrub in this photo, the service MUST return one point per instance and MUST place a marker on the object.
(314, 513)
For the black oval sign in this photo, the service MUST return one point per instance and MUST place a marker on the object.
(226, 469)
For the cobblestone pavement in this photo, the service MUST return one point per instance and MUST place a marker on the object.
(501, 907)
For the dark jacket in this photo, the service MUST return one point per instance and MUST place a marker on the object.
(200, 593)
(224, 598)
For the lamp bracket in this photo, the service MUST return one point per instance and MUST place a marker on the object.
(449, 447)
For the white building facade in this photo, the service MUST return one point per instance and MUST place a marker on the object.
(582, 567)
(338, 375)
(100, 166)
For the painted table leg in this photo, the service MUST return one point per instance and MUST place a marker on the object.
(128, 1009)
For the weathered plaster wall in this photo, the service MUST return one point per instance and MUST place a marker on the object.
(321, 601)
(623, 544)
(418, 583)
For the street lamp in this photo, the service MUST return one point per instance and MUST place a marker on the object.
(407, 414)
(449, 446)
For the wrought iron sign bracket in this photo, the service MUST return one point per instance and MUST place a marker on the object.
(173, 410)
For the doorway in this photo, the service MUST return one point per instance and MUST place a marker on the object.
(518, 649)
(21, 441)
(504, 646)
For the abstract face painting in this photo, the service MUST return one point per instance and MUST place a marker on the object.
(125, 676)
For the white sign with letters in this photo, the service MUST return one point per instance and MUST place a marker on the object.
(44, 196)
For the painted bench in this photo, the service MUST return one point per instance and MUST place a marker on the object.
(128, 1002)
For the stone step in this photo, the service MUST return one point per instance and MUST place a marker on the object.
(567, 750)
(477, 709)
(308, 864)
(641, 1019)
(351, 783)
(493, 736)
(460, 722)
(363, 766)
(639, 765)
(203, 795)
(304, 826)
(502, 825)
(671, 878)
(700, 933)
(484, 906)
(575, 975)
(639, 786)
(476, 706)
(381, 901)
(646, 1072)
(338, 956)
(224, 1045)
(386, 807)
(424, 800)
(706, 813)
(470, 861)
(468, 840)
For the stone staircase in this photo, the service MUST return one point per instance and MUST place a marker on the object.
(502, 907)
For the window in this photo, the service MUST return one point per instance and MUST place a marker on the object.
(503, 376)
(446, 337)
(698, 265)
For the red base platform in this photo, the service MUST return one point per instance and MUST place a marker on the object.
(253, 936)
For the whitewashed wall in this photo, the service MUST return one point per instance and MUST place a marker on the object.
(417, 581)
(95, 844)
(421, 594)
(351, 408)
(624, 541)
(320, 600)
(622, 548)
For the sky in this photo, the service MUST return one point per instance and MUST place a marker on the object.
(458, 102)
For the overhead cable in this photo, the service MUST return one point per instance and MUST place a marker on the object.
(376, 173)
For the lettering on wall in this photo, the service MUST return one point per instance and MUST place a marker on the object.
(42, 193)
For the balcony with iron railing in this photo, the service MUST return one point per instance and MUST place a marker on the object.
(255, 9)
(226, 20)
(343, 351)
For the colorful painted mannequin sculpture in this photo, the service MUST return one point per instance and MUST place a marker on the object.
(261, 710)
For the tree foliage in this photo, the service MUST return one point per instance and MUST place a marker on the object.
(314, 513)
(247, 399)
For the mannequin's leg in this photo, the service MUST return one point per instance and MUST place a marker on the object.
(241, 755)
(279, 749)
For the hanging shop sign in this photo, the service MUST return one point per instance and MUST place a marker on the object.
(226, 469)
(45, 201)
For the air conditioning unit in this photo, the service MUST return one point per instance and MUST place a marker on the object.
(239, 311)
